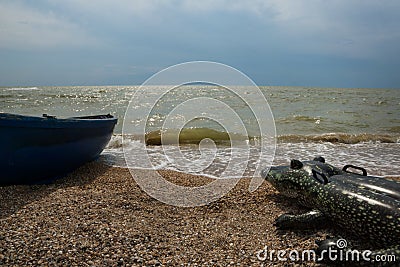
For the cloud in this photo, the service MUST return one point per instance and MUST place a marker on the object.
(347, 28)
(24, 27)
(258, 36)
(356, 28)
(341, 28)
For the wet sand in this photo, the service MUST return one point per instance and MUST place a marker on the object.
(98, 216)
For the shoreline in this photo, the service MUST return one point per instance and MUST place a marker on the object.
(99, 216)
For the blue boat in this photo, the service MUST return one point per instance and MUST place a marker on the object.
(35, 149)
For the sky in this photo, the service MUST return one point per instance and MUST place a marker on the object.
(316, 43)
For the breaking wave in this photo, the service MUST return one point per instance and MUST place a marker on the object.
(22, 88)
(376, 153)
(297, 118)
(192, 136)
(344, 138)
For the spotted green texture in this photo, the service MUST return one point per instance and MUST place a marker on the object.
(366, 206)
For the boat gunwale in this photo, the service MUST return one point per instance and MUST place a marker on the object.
(23, 121)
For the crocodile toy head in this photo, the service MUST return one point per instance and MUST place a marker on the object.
(298, 178)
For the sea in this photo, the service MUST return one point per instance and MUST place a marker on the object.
(223, 132)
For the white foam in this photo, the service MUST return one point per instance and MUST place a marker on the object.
(22, 88)
(379, 159)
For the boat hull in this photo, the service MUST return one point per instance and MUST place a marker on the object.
(35, 149)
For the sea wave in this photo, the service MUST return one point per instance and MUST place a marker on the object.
(6, 96)
(115, 142)
(186, 136)
(378, 158)
(344, 138)
(192, 136)
(298, 118)
(394, 129)
(22, 88)
(189, 136)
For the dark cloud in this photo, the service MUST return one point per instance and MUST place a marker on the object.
(279, 42)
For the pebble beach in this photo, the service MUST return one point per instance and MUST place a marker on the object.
(98, 216)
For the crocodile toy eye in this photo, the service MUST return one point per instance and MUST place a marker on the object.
(320, 159)
(320, 177)
(296, 164)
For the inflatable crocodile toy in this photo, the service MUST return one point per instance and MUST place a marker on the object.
(365, 206)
